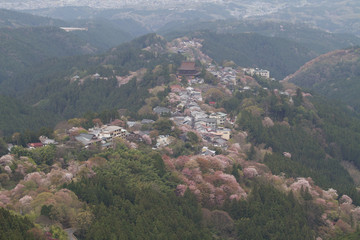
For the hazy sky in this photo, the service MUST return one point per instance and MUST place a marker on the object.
(32, 4)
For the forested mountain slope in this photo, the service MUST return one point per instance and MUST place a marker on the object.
(26, 40)
(102, 33)
(280, 56)
(335, 75)
(18, 117)
(47, 84)
(23, 47)
(51, 86)
(316, 39)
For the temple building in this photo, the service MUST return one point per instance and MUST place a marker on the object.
(188, 69)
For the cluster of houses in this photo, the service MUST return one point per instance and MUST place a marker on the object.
(189, 114)
(95, 76)
(183, 46)
(44, 141)
(227, 75)
(185, 113)
(191, 48)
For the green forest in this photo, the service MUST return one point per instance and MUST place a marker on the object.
(314, 154)
(315, 39)
(341, 71)
(15, 227)
(280, 56)
(55, 97)
(132, 198)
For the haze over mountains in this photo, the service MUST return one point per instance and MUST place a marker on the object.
(334, 16)
(140, 3)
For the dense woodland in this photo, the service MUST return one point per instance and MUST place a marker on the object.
(319, 138)
(24, 47)
(132, 199)
(19, 117)
(270, 214)
(147, 206)
(15, 227)
(315, 39)
(280, 56)
(27, 41)
(54, 95)
(341, 71)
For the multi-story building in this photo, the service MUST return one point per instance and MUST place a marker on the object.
(220, 118)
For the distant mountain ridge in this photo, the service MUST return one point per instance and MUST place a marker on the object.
(22, 47)
(26, 40)
(13, 19)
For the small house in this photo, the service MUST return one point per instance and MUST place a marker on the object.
(86, 139)
(207, 152)
(35, 145)
(162, 141)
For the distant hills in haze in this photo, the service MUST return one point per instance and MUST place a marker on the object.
(14, 19)
(330, 15)
(27, 40)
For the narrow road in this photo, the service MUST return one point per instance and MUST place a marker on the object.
(70, 232)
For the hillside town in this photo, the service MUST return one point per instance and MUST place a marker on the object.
(186, 107)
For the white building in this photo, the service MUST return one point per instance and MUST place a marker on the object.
(220, 118)
(262, 73)
(256, 71)
(108, 132)
(162, 141)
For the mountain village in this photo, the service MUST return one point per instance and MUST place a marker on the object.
(186, 108)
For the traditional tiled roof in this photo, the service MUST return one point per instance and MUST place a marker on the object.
(187, 66)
